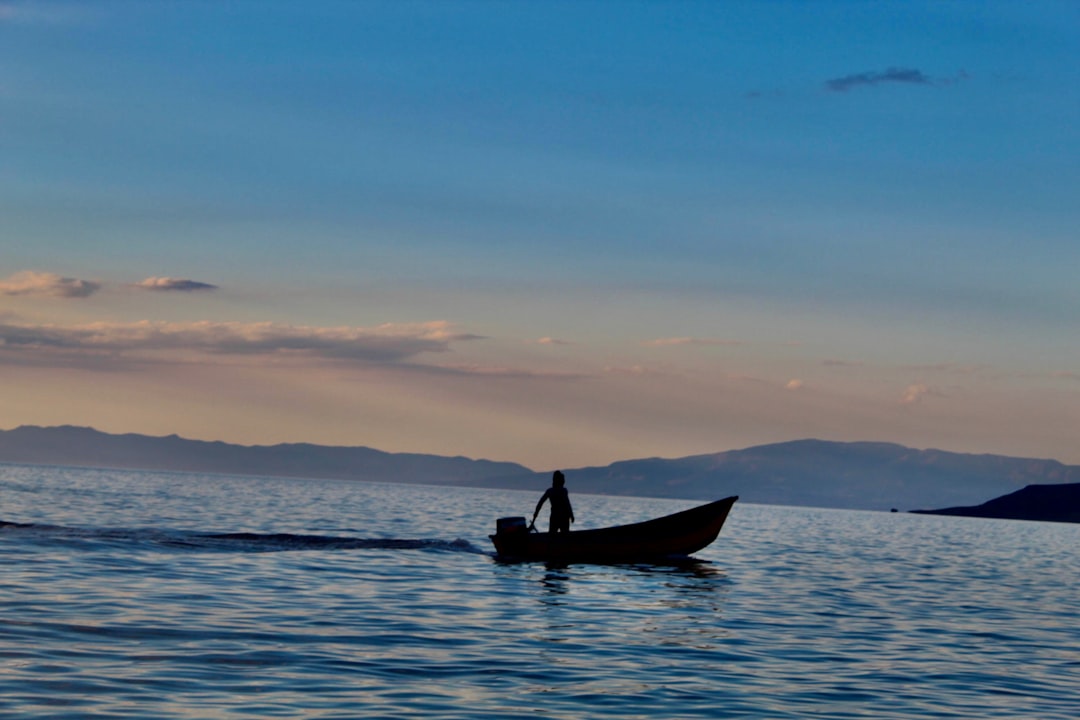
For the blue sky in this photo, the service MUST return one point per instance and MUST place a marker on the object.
(558, 233)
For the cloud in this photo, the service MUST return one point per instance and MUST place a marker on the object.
(29, 282)
(906, 76)
(759, 94)
(166, 284)
(835, 362)
(631, 370)
(794, 384)
(915, 393)
(667, 342)
(494, 371)
(37, 13)
(552, 341)
(149, 341)
(955, 368)
(954, 80)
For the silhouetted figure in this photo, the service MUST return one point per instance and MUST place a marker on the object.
(562, 514)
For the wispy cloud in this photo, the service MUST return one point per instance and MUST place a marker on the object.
(41, 13)
(954, 368)
(794, 384)
(552, 341)
(668, 342)
(759, 94)
(149, 341)
(894, 75)
(30, 282)
(631, 370)
(837, 362)
(499, 371)
(167, 284)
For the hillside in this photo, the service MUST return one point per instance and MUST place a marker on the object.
(1049, 503)
(860, 475)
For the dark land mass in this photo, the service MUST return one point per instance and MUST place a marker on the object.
(858, 475)
(1050, 503)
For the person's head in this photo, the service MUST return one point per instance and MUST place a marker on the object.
(558, 479)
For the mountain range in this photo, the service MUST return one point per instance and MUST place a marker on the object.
(852, 475)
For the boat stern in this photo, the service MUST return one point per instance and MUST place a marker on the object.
(511, 536)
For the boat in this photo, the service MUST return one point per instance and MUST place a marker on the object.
(666, 538)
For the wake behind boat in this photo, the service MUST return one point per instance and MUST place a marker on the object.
(672, 536)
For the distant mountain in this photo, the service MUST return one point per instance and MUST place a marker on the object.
(1050, 503)
(86, 447)
(817, 473)
(860, 475)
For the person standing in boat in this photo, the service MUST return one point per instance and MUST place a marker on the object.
(562, 514)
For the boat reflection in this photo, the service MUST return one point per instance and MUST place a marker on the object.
(679, 605)
(677, 585)
(554, 581)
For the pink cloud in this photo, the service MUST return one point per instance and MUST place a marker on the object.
(631, 370)
(915, 393)
(145, 341)
(29, 282)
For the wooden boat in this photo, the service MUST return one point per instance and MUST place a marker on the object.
(670, 537)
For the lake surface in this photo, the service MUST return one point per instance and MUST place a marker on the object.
(160, 595)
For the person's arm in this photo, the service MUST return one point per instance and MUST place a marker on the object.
(540, 504)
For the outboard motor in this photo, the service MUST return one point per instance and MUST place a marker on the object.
(511, 534)
(510, 525)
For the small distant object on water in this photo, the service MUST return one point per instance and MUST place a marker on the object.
(665, 538)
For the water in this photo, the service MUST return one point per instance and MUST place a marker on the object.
(156, 595)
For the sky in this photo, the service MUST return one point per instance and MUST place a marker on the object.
(556, 233)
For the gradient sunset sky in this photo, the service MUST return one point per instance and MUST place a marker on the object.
(558, 233)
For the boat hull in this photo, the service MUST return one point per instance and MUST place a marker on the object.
(672, 536)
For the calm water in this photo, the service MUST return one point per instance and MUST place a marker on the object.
(156, 595)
